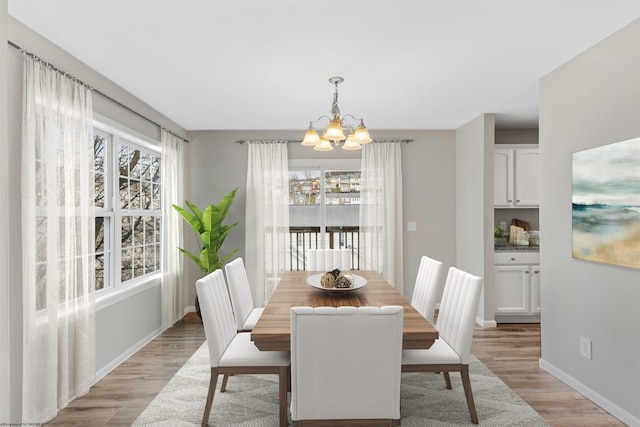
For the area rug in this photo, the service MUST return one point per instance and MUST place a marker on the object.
(252, 400)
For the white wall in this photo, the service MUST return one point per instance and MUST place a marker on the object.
(592, 100)
(474, 207)
(216, 164)
(5, 395)
(123, 325)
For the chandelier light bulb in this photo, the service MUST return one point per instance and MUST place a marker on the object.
(350, 143)
(324, 145)
(311, 138)
(334, 131)
(361, 135)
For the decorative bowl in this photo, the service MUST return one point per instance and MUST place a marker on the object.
(314, 280)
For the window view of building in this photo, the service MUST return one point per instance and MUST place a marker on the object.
(324, 211)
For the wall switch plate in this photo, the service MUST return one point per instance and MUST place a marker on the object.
(585, 347)
(412, 226)
(503, 225)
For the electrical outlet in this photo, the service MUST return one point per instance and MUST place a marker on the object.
(585, 347)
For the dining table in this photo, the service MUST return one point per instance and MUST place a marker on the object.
(272, 332)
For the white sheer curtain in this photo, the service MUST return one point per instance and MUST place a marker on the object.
(58, 241)
(171, 172)
(267, 216)
(381, 211)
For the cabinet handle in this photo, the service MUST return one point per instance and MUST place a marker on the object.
(510, 201)
(513, 259)
(526, 272)
(518, 200)
(536, 272)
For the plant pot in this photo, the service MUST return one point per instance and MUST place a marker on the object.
(500, 241)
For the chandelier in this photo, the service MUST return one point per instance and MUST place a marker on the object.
(357, 132)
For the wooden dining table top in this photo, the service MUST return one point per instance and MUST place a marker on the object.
(273, 329)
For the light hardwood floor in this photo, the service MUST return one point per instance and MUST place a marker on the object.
(510, 351)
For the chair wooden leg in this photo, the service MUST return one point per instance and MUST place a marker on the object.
(223, 386)
(212, 390)
(447, 380)
(466, 383)
(282, 394)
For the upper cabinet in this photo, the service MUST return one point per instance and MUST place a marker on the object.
(516, 178)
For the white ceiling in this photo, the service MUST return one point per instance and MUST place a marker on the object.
(265, 64)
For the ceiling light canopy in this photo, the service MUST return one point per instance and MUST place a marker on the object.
(357, 132)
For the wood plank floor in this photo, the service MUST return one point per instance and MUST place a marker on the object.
(510, 351)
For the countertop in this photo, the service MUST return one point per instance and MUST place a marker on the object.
(511, 248)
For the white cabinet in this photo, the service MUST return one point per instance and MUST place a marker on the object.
(516, 177)
(517, 287)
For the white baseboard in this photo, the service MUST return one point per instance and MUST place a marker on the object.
(590, 394)
(486, 323)
(127, 354)
(190, 309)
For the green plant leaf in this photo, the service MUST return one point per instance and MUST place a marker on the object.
(192, 256)
(198, 214)
(193, 221)
(227, 257)
(209, 260)
(225, 203)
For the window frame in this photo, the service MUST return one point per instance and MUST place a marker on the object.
(116, 290)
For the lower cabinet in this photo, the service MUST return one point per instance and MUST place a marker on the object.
(517, 290)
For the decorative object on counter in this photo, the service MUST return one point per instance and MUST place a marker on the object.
(606, 204)
(521, 238)
(499, 239)
(534, 239)
(522, 224)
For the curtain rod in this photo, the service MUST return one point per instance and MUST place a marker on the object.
(53, 67)
(244, 141)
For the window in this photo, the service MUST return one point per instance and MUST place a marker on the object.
(324, 209)
(128, 212)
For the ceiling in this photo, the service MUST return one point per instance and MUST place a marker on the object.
(265, 64)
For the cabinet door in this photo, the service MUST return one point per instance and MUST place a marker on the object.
(527, 177)
(535, 288)
(503, 177)
(512, 289)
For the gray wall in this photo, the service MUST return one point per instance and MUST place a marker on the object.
(428, 181)
(474, 207)
(123, 325)
(590, 101)
(4, 224)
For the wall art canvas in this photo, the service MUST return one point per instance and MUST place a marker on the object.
(606, 204)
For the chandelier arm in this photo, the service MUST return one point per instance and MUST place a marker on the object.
(351, 116)
(320, 118)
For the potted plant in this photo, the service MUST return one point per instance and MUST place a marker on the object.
(210, 232)
(499, 239)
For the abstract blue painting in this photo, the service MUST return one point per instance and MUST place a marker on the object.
(606, 204)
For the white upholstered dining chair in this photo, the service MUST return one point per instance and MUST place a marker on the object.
(428, 287)
(328, 259)
(246, 314)
(456, 319)
(231, 352)
(345, 365)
